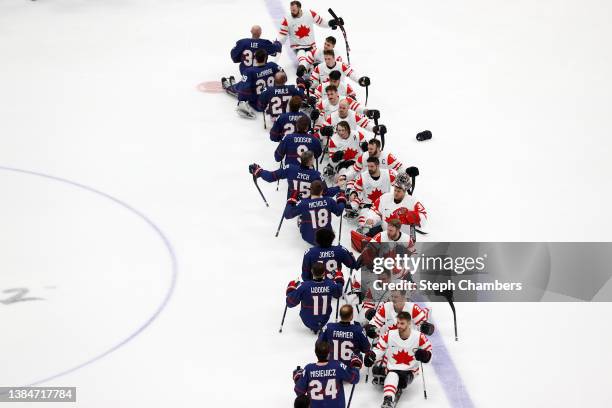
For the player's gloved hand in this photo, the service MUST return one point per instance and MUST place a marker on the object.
(336, 157)
(412, 171)
(370, 358)
(422, 355)
(312, 101)
(364, 81)
(294, 198)
(380, 129)
(297, 374)
(378, 370)
(293, 285)
(406, 216)
(370, 313)
(335, 23)
(364, 146)
(314, 115)
(339, 278)
(370, 330)
(356, 362)
(255, 169)
(427, 328)
(278, 46)
(341, 198)
(301, 70)
(327, 131)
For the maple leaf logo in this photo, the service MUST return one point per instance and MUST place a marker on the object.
(302, 31)
(397, 214)
(350, 154)
(402, 357)
(375, 194)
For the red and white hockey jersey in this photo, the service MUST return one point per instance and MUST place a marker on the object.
(397, 353)
(344, 90)
(353, 118)
(409, 209)
(350, 145)
(369, 189)
(321, 72)
(387, 161)
(315, 56)
(327, 108)
(386, 316)
(300, 30)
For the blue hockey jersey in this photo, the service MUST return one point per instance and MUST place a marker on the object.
(314, 213)
(315, 298)
(332, 257)
(298, 178)
(275, 99)
(254, 81)
(323, 382)
(345, 339)
(293, 145)
(284, 125)
(244, 51)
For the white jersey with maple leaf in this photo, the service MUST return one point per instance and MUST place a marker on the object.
(327, 108)
(321, 72)
(300, 30)
(353, 118)
(315, 56)
(344, 90)
(350, 145)
(404, 244)
(397, 353)
(386, 317)
(369, 189)
(387, 161)
(386, 208)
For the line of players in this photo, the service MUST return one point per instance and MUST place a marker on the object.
(320, 120)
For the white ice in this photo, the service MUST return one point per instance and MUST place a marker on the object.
(517, 95)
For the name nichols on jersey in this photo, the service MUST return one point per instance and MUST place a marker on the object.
(464, 284)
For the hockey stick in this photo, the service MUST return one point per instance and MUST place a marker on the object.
(264, 117)
(278, 181)
(448, 294)
(340, 230)
(283, 321)
(423, 376)
(348, 48)
(372, 345)
(351, 396)
(280, 224)
(326, 149)
(259, 189)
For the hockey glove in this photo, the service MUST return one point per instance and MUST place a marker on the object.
(380, 129)
(300, 73)
(339, 278)
(314, 115)
(422, 355)
(255, 169)
(327, 131)
(364, 81)
(312, 101)
(293, 285)
(364, 146)
(335, 23)
(370, 358)
(294, 198)
(427, 328)
(412, 171)
(356, 362)
(341, 198)
(297, 374)
(424, 135)
(370, 330)
(373, 114)
(370, 313)
(336, 157)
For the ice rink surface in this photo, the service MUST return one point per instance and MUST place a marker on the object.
(157, 275)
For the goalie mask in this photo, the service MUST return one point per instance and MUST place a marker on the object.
(403, 181)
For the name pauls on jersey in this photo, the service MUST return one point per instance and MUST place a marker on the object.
(457, 264)
(264, 73)
(464, 284)
(281, 91)
(319, 289)
(323, 373)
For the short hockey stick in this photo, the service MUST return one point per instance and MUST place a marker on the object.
(423, 375)
(283, 321)
(348, 48)
(351, 396)
(259, 189)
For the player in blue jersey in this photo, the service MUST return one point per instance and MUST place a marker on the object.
(275, 99)
(345, 338)
(323, 381)
(315, 212)
(332, 256)
(285, 123)
(298, 178)
(244, 50)
(294, 144)
(315, 297)
(254, 81)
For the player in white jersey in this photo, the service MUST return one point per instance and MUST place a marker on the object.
(387, 160)
(344, 146)
(321, 72)
(299, 28)
(368, 187)
(393, 235)
(385, 317)
(399, 353)
(315, 56)
(335, 79)
(327, 106)
(344, 112)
